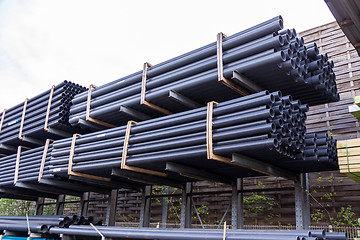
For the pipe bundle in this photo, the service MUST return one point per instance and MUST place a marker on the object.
(273, 59)
(25, 165)
(320, 153)
(43, 116)
(309, 75)
(8, 166)
(266, 126)
(197, 234)
(42, 223)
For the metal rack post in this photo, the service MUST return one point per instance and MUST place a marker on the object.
(84, 204)
(145, 212)
(111, 207)
(186, 207)
(39, 207)
(60, 204)
(302, 202)
(237, 204)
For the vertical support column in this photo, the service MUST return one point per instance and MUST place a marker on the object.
(145, 207)
(164, 208)
(111, 207)
(237, 204)
(59, 207)
(39, 207)
(302, 202)
(84, 204)
(186, 207)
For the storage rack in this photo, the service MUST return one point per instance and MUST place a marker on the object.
(85, 185)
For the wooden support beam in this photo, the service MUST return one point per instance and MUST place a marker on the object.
(351, 10)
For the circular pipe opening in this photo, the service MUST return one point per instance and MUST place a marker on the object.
(281, 22)
(283, 56)
(44, 229)
(272, 113)
(275, 142)
(281, 40)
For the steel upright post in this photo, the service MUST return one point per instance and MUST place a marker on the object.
(59, 207)
(164, 208)
(111, 207)
(84, 203)
(39, 206)
(302, 202)
(145, 207)
(237, 213)
(186, 207)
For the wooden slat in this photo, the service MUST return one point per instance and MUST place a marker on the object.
(348, 143)
(348, 152)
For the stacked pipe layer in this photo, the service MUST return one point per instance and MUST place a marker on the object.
(268, 127)
(320, 153)
(24, 166)
(272, 60)
(29, 120)
(194, 234)
(8, 166)
(308, 72)
(42, 223)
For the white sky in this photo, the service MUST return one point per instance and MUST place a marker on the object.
(43, 42)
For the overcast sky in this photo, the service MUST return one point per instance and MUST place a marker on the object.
(43, 42)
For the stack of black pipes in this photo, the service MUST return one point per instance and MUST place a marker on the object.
(273, 60)
(268, 127)
(28, 167)
(196, 234)
(42, 223)
(8, 165)
(320, 154)
(35, 115)
(309, 73)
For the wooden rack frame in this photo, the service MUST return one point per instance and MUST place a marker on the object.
(88, 107)
(220, 67)
(17, 164)
(70, 164)
(124, 154)
(23, 119)
(2, 119)
(209, 136)
(43, 159)
(143, 92)
(48, 108)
